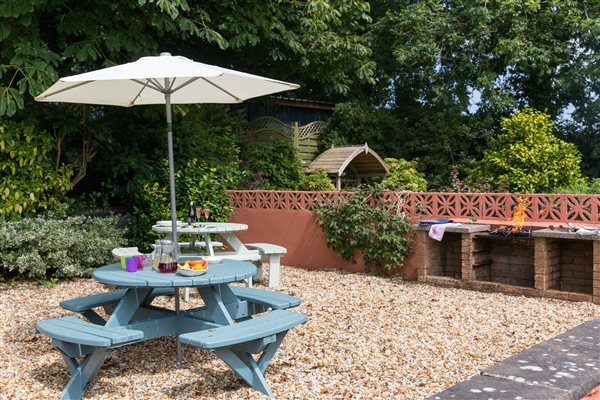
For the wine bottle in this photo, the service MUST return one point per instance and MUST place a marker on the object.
(191, 214)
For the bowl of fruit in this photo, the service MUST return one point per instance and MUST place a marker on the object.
(192, 267)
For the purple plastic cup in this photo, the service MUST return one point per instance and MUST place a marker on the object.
(132, 264)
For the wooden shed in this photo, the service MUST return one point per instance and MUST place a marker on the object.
(361, 160)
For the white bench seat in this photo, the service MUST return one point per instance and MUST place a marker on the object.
(270, 253)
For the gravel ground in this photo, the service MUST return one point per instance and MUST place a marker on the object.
(367, 337)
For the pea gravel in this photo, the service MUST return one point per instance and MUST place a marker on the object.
(367, 337)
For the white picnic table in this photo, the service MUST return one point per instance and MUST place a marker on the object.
(226, 230)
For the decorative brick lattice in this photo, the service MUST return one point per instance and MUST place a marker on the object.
(466, 207)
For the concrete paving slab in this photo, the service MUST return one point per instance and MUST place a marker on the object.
(564, 367)
(588, 332)
(571, 366)
(482, 387)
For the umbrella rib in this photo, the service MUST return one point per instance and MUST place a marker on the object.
(223, 90)
(65, 89)
(152, 83)
(144, 86)
(184, 84)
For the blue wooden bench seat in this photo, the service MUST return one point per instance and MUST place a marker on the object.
(236, 343)
(259, 301)
(85, 305)
(266, 298)
(74, 330)
(73, 338)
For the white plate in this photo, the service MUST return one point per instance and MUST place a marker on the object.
(167, 223)
(213, 259)
(191, 272)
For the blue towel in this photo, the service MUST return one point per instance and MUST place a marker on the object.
(429, 222)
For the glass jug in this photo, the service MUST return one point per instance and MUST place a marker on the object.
(165, 257)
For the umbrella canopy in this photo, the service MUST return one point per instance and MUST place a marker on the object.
(164, 79)
(147, 80)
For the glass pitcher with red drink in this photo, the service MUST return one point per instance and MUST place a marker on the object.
(166, 252)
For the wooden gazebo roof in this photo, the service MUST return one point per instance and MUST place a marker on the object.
(364, 161)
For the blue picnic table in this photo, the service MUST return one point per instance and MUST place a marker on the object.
(225, 324)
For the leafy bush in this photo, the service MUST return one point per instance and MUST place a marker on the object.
(275, 166)
(30, 179)
(137, 146)
(195, 181)
(586, 187)
(45, 248)
(318, 181)
(471, 184)
(404, 176)
(360, 122)
(368, 223)
(528, 158)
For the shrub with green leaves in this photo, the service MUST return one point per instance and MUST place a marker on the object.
(367, 223)
(528, 158)
(274, 166)
(30, 179)
(591, 186)
(404, 176)
(195, 181)
(45, 248)
(318, 181)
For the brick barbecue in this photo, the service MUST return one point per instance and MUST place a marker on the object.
(550, 263)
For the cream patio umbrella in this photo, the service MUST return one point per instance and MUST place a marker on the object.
(165, 80)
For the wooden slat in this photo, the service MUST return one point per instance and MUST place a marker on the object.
(274, 300)
(82, 304)
(73, 330)
(266, 325)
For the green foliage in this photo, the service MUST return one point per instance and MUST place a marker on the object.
(195, 181)
(528, 158)
(367, 223)
(591, 186)
(274, 166)
(30, 179)
(404, 176)
(138, 146)
(448, 71)
(313, 41)
(357, 123)
(57, 248)
(318, 181)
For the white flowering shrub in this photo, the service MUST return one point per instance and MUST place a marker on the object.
(69, 247)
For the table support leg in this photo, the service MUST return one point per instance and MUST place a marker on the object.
(83, 374)
(177, 311)
(245, 366)
(214, 302)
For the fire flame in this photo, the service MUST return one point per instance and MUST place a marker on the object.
(518, 220)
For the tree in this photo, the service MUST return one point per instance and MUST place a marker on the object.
(528, 158)
(314, 41)
(448, 71)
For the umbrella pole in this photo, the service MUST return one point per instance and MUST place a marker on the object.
(171, 170)
(173, 206)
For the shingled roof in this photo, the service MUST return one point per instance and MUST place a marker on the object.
(364, 161)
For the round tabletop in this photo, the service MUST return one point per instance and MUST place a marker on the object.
(202, 227)
(224, 272)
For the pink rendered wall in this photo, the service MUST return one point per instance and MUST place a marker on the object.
(286, 218)
(299, 232)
